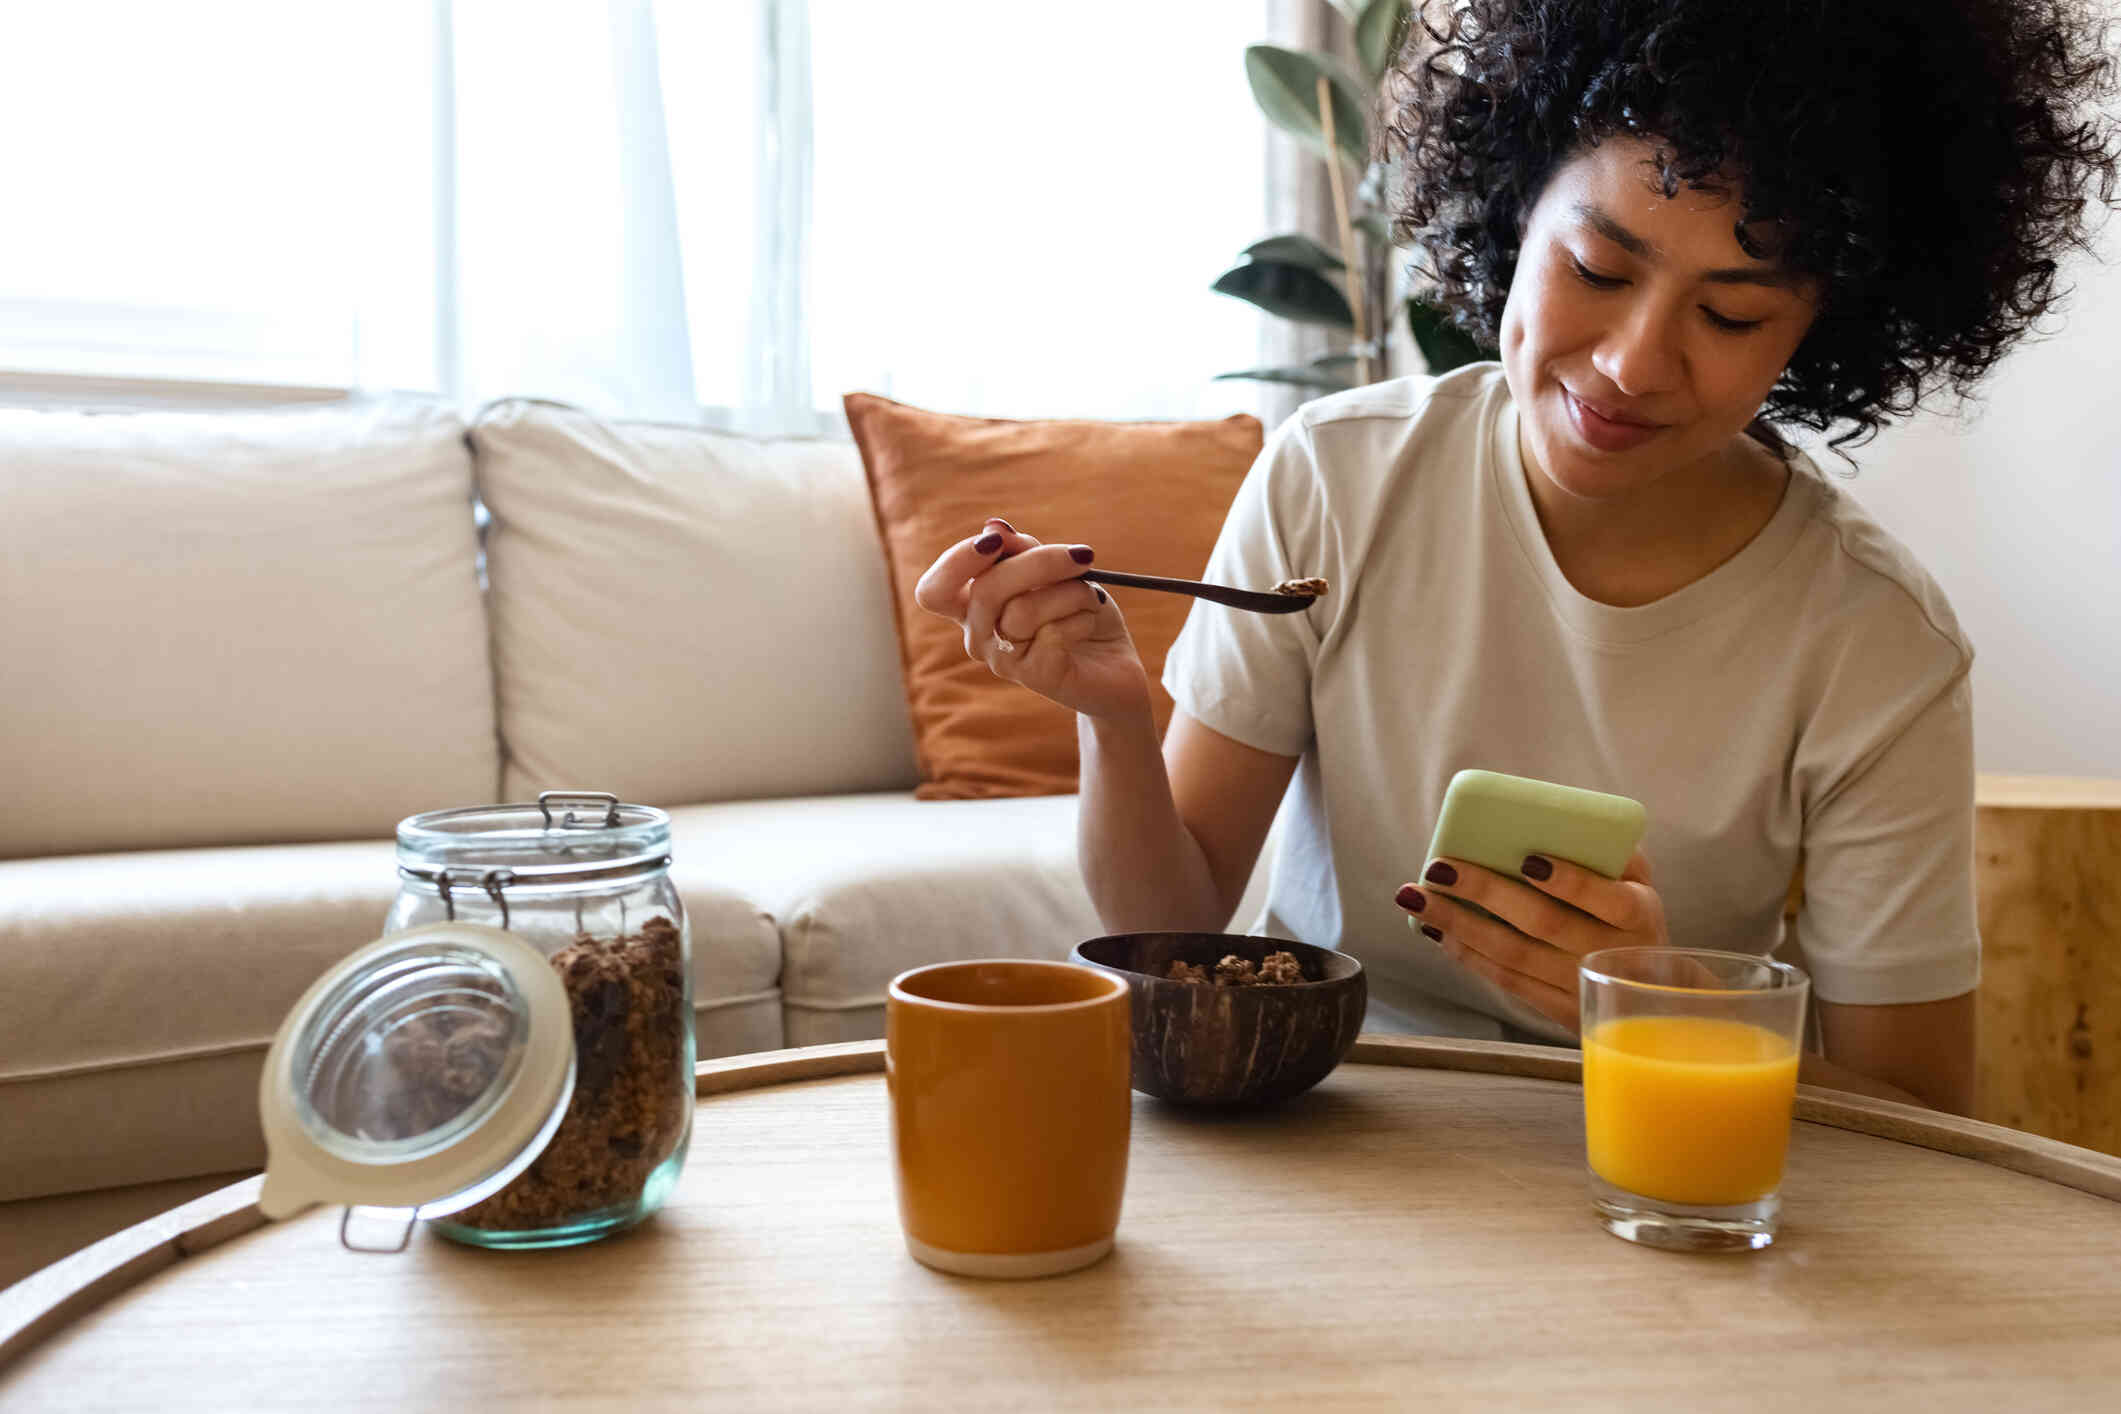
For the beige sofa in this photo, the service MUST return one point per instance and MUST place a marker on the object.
(237, 648)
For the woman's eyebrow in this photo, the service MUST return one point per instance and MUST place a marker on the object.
(1613, 231)
(1603, 223)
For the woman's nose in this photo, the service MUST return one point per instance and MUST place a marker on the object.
(1640, 354)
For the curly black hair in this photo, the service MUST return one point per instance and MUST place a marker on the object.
(1927, 160)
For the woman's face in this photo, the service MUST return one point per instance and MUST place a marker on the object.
(1639, 338)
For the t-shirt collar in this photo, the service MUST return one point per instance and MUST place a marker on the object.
(1719, 589)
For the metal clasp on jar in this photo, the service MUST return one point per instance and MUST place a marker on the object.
(547, 799)
(493, 881)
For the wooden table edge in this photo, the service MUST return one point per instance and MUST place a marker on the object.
(49, 1299)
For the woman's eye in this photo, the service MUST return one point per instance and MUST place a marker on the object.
(1731, 326)
(1592, 278)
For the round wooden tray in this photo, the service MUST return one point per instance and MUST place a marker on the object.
(1416, 1228)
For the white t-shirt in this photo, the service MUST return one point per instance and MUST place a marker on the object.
(1808, 698)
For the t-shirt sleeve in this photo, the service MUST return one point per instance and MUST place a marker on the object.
(1247, 675)
(1888, 911)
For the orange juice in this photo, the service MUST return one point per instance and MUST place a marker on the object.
(1688, 1109)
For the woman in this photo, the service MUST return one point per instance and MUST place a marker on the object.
(1596, 561)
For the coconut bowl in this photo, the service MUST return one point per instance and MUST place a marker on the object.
(1197, 1043)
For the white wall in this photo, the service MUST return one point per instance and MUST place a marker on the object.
(2015, 509)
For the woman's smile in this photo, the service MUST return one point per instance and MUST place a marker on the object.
(1606, 428)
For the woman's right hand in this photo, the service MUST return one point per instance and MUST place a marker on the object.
(1031, 620)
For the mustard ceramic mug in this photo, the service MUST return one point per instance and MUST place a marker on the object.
(1010, 1111)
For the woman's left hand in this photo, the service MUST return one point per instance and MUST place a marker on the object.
(1553, 922)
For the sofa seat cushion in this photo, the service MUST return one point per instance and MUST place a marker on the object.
(865, 886)
(139, 992)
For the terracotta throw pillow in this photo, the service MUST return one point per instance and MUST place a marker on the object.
(1147, 496)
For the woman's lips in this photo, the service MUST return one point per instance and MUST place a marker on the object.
(1607, 434)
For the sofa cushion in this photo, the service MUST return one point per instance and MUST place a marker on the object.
(864, 887)
(238, 627)
(681, 616)
(1146, 496)
(139, 991)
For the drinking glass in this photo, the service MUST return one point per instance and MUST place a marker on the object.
(1689, 1078)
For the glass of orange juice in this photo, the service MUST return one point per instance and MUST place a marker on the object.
(1689, 1077)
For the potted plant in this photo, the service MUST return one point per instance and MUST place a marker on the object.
(1327, 105)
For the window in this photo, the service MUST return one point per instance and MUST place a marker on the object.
(1019, 209)
(227, 190)
(645, 207)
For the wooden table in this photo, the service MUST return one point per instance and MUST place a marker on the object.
(1413, 1233)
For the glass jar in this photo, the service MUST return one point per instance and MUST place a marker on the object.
(584, 880)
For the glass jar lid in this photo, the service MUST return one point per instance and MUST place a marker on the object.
(424, 1071)
(564, 836)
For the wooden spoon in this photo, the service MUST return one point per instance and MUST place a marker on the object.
(1293, 596)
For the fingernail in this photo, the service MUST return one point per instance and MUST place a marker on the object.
(1537, 866)
(1081, 554)
(1410, 898)
(1433, 933)
(1101, 596)
(1441, 873)
(997, 520)
(987, 544)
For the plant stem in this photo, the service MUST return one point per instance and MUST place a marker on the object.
(1349, 263)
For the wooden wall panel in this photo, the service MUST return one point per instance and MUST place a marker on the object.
(2048, 887)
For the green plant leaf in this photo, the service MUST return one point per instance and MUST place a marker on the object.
(1295, 250)
(1350, 8)
(1376, 29)
(1300, 376)
(1292, 291)
(1285, 85)
(1332, 372)
(1443, 345)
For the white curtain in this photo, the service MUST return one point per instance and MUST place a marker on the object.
(569, 283)
(1020, 209)
(723, 210)
(735, 213)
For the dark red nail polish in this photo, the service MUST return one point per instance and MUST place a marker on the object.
(1537, 866)
(987, 544)
(1441, 873)
(1102, 597)
(1432, 932)
(997, 520)
(1081, 554)
(1410, 898)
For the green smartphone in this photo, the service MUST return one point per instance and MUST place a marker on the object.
(1495, 820)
